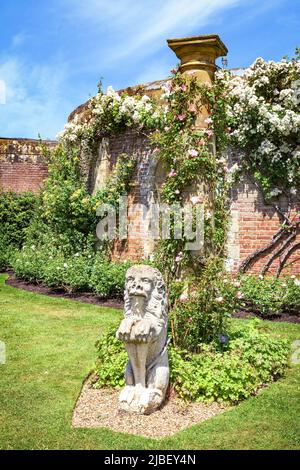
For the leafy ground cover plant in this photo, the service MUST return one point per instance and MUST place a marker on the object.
(228, 369)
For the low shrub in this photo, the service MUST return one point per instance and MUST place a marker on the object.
(78, 272)
(249, 361)
(108, 277)
(271, 296)
(200, 316)
(227, 373)
(29, 263)
(111, 361)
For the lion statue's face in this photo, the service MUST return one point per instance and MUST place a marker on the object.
(140, 282)
(145, 292)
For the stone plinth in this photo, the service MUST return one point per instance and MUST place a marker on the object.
(199, 53)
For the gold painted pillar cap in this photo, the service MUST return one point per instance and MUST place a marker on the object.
(198, 52)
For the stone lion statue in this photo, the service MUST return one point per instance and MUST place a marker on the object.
(144, 332)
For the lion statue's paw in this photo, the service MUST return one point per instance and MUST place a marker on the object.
(127, 396)
(150, 400)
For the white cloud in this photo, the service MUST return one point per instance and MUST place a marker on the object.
(34, 101)
(143, 26)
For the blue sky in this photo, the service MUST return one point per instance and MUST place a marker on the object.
(53, 52)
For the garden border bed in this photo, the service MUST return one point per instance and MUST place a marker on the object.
(90, 298)
(85, 297)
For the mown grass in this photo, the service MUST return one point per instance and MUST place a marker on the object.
(50, 350)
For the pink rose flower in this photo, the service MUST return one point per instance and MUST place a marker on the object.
(172, 174)
(190, 319)
(183, 298)
(196, 200)
(181, 117)
(193, 153)
(174, 71)
(240, 295)
(192, 108)
(183, 87)
(208, 121)
(208, 132)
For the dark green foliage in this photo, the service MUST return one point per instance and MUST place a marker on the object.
(16, 213)
(108, 277)
(81, 271)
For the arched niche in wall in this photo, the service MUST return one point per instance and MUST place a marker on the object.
(100, 168)
(160, 176)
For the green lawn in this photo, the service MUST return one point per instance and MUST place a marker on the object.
(50, 350)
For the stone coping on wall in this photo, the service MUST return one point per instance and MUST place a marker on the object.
(23, 150)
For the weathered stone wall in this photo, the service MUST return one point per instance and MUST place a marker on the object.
(22, 166)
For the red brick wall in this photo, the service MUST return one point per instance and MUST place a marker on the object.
(22, 166)
(254, 227)
(255, 222)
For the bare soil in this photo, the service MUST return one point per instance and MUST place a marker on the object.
(283, 317)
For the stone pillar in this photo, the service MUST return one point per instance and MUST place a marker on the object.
(198, 55)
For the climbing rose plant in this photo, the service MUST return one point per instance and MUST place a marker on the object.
(185, 149)
(257, 113)
(110, 113)
(263, 112)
